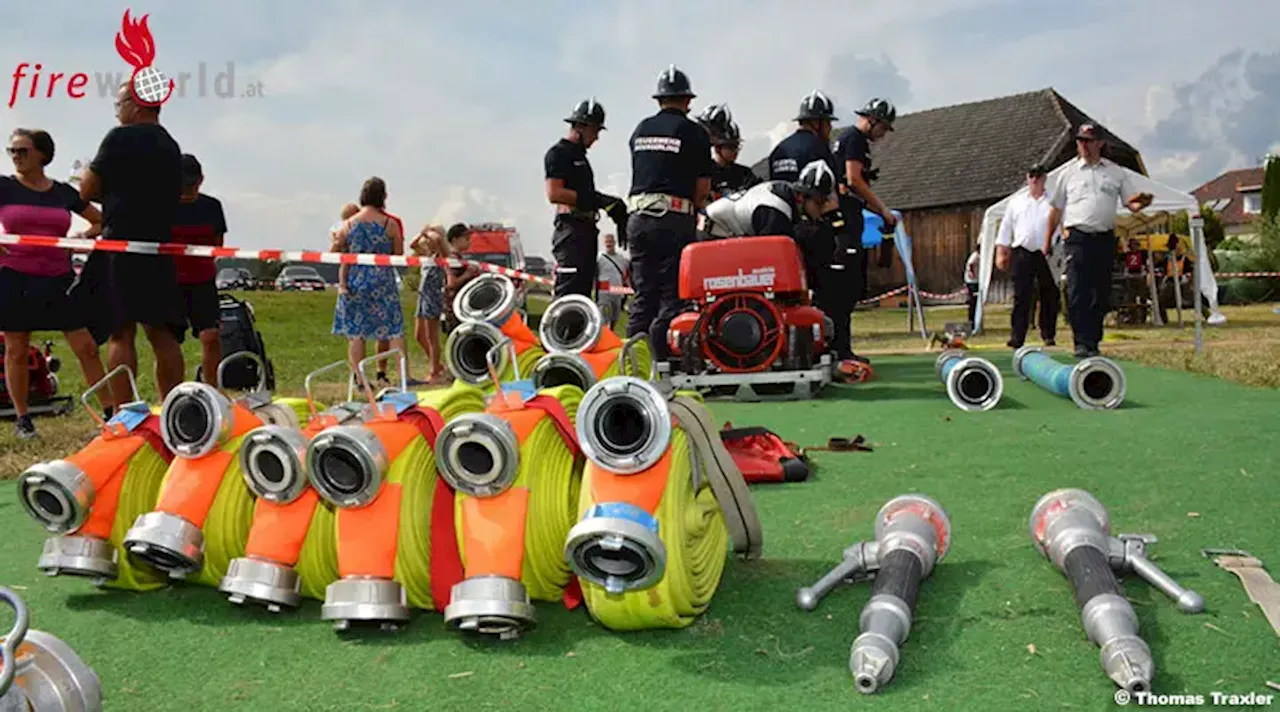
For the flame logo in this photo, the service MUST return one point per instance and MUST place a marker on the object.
(135, 46)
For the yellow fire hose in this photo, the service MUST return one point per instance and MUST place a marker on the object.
(551, 473)
(142, 482)
(692, 527)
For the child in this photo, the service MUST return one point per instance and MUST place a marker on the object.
(971, 284)
(431, 243)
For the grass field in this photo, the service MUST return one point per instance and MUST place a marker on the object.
(1190, 458)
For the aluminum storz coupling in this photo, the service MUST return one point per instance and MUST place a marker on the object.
(912, 534)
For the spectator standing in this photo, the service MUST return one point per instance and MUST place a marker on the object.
(1023, 247)
(613, 269)
(368, 306)
(1084, 201)
(36, 291)
(200, 221)
(459, 237)
(432, 243)
(971, 283)
(137, 177)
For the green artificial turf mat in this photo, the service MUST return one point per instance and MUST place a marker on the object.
(1190, 459)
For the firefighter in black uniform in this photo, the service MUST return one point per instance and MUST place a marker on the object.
(854, 151)
(670, 182)
(571, 188)
(727, 175)
(810, 142)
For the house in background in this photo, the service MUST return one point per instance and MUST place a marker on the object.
(942, 168)
(1236, 196)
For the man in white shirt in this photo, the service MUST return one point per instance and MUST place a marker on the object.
(613, 269)
(1085, 200)
(1023, 245)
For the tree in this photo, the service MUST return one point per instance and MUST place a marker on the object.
(1271, 187)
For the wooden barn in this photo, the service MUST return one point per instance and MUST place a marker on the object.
(942, 168)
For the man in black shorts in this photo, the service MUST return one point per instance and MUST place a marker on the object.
(137, 176)
(200, 221)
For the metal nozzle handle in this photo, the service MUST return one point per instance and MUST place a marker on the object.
(246, 356)
(1135, 559)
(808, 597)
(84, 397)
(625, 358)
(493, 357)
(364, 380)
(12, 639)
(306, 384)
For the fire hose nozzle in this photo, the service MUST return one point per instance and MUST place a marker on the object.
(912, 533)
(1129, 553)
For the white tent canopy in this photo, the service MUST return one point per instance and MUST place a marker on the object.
(1165, 199)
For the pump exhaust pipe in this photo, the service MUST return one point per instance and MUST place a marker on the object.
(1095, 383)
(1073, 530)
(973, 383)
(571, 324)
(912, 534)
(489, 298)
(624, 427)
(49, 676)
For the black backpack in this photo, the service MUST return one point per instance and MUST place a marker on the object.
(239, 332)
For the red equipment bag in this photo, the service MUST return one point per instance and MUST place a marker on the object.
(762, 456)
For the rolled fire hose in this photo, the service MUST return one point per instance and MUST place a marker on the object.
(515, 469)
(89, 500)
(912, 534)
(49, 676)
(1095, 383)
(202, 518)
(291, 550)
(659, 504)
(486, 306)
(582, 349)
(973, 383)
(395, 539)
(1073, 530)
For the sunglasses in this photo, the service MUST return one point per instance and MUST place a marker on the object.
(20, 152)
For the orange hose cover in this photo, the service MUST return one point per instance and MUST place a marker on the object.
(192, 485)
(519, 333)
(493, 533)
(643, 489)
(608, 341)
(599, 361)
(105, 461)
(367, 536)
(279, 529)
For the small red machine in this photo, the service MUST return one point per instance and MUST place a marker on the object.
(42, 390)
(753, 330)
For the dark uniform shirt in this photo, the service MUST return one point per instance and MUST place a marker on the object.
(730, 179)
(797, 151)
(854, 146)
(567, 160)
(669, 153)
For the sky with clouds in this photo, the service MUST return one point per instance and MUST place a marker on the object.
(454, 104)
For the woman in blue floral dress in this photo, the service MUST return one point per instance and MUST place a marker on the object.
(368, 297)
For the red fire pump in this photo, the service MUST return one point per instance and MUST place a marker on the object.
(42, 386)
(753, 330)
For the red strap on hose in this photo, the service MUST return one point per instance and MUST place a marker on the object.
(149, 429)
(554, 409)
(446, 559)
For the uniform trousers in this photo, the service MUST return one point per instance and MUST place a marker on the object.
(656, 243)
(574, 246)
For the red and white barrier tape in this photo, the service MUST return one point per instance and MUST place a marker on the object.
(306, 256)
(1231, 275)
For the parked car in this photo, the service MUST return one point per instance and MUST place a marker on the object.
(232, 278)
(299, 278)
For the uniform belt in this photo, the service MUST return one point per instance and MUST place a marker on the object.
(1083, 231)
(659, 204)
(573, 212)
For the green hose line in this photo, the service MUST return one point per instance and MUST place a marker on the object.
(692, 528)
(318, 560)
(453, 401)
(138, 495)
(415, 471)
(553, 476)
(226, 528)
(640, 361)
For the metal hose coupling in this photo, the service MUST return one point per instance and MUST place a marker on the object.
(571, 324)
(467, 348)
(489, 298)
(561, 369)
(973, 383)
(49, 676)
(1072, 529)
(478, 455)
(912, 534)
(1094, 383)
(346, 464)
(624, 426)
(365, 601)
